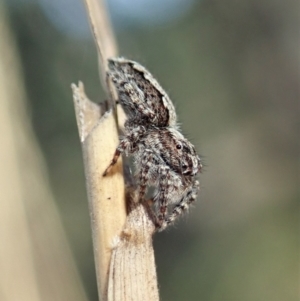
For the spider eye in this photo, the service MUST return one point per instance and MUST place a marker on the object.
(179, 146)
(184, 166)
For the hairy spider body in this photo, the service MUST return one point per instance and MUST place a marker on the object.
(143, 99)
(163, 157)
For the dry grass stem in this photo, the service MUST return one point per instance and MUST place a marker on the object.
(132, 275)
(133, 264)
(99, 138)
(103, 33)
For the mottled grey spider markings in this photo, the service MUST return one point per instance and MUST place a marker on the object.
(183, 205)
(141, 96)
(164, 159)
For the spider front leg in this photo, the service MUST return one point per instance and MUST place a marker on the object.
(127, 145)
(183, 205)
(165, 183)
(123, 146)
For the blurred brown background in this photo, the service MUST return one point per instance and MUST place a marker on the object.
(232, 70)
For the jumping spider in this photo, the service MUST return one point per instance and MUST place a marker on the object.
(163, 158)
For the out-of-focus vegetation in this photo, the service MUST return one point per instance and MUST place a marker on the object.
(232, 69)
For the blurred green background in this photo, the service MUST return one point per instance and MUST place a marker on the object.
(232, 70)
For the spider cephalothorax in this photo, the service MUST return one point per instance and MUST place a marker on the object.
(173, 149)
(163, 157)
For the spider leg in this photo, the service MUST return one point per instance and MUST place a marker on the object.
(145, 173)
(127, 144)
(183, 205)
(164, 191)
(120, 149)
